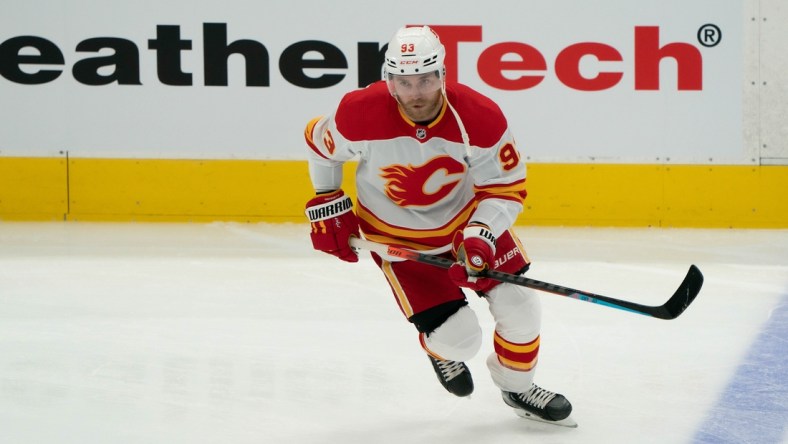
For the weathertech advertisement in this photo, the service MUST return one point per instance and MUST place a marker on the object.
(657, 83)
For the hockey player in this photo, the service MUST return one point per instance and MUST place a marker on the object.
(438, 172)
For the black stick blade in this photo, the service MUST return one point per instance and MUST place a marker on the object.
(683, 296)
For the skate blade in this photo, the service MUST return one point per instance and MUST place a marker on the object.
(566, 422)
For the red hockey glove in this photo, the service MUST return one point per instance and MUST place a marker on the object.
(333, 222)
(474, 254)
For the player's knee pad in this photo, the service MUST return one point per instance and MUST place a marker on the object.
(457, 339)
(517, 312)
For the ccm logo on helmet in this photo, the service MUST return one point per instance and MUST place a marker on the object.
(33, 60)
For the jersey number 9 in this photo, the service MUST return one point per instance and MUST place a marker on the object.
(509, 157)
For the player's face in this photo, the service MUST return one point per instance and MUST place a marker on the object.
(419, 95)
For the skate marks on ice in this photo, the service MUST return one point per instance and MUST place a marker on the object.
(202, 333)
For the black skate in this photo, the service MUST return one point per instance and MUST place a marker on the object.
(454, 376)
(541, 405)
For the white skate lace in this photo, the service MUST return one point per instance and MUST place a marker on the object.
(536, 396)
(450, 369)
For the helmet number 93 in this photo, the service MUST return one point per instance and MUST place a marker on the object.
(407, 47)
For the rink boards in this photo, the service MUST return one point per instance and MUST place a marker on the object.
(88, 189)
(669, 114)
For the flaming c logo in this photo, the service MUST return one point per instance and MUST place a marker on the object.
(421, 185)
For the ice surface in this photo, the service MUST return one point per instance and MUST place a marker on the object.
(236, 333)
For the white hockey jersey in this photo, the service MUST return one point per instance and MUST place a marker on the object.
(418, 185)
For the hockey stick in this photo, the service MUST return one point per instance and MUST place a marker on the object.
(671, 309)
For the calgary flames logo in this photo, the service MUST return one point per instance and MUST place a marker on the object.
(421, 185)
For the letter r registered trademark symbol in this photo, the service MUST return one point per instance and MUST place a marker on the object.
(709, 35)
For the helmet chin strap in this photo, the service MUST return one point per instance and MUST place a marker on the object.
(465, 139)
(463, 133)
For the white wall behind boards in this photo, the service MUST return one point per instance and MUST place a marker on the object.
(770, 21)
(613, 81)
